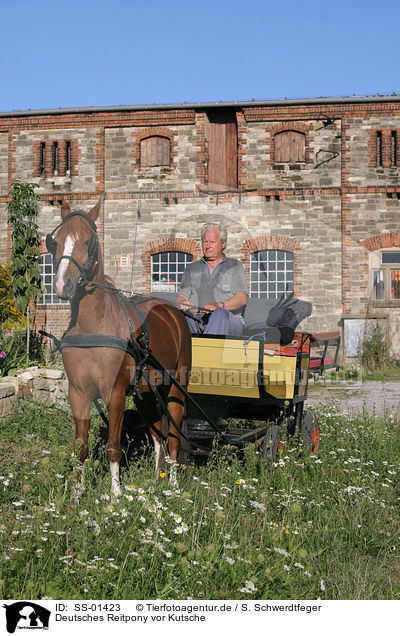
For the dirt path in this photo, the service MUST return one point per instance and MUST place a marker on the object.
(355, 396)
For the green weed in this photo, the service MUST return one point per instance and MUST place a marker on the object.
(324, 526)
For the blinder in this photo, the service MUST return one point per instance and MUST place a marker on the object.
(92, 247)
(93, 244)
(51, 245)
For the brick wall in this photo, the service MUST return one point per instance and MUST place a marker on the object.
(328, 208)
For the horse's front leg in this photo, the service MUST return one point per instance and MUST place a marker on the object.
(81, 411)
(116, 407)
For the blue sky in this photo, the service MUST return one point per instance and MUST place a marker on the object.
(108, 53)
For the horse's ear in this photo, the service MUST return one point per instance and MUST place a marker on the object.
(94, 212)
(65, 209)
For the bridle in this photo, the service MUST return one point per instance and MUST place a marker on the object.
(93, 246)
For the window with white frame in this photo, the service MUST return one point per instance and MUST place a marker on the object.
(47, 275)
(167, 270)
(385, 268)
(271, 273)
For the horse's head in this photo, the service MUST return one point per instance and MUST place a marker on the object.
(75, 248)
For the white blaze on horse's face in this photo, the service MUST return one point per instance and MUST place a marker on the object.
(68, 248)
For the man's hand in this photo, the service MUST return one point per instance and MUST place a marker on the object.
(211, 306)
(184, 303)
(237, 301)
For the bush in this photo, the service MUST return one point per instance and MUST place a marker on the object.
(375, 350)
(13, 350)
(13, 335)
(10, 316)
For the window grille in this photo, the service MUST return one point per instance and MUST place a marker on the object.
(393, 147)
(379, 153)
(54, 157)
(47, 275)
(167, 270)
(67, 157)
(42, 159)
(271, 273)
(386, 148)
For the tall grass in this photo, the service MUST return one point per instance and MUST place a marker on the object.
(323, 526)
(377, 361)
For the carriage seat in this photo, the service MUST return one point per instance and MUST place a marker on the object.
(256, 311)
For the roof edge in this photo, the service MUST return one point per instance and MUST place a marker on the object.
(203, 105)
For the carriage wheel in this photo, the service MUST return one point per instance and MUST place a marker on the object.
(309, 434)
(270, 444)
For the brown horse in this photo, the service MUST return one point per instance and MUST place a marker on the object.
(94, 347)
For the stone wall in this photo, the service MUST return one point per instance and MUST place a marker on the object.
(83, 178)
(361, 138)
(122, 160)
(48, 387)
(332, 207)
(322, 165)
(3, 162)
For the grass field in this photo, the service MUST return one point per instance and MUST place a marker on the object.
(324, 526)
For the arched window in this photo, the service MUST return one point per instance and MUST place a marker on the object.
(47, 276)
(271, 273)
(155, 151)
(167, 270)
(290, 147)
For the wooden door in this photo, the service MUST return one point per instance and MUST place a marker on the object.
(222, 150)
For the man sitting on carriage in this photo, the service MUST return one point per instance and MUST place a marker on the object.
(214, 288)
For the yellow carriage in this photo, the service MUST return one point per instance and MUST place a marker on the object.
(260, 376)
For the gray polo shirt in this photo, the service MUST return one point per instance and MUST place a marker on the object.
(201, 286)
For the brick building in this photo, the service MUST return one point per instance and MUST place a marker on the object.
(309, 190)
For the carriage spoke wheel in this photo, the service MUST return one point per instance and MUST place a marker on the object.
(270, 444)
(309, 434)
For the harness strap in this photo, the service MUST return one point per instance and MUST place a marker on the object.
(96, 340)
(91, 340)
(187, 395)
(141, 347)
(164, 406)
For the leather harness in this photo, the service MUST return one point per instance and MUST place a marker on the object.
(139, 349)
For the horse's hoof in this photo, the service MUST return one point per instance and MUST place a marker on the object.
(115, 493)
